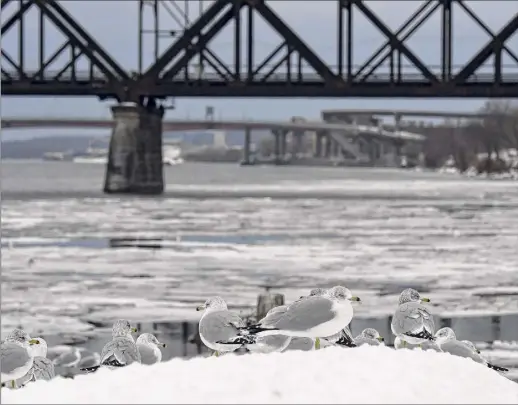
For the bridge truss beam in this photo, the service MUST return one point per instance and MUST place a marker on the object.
(292, 69)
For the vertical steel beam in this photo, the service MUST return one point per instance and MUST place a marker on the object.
(237, 40)
(41, 50)
(21, 38)
(447, 40)
(250, 44)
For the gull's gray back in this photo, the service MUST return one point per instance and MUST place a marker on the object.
(43, 369)
(412, 316)
(461, 349)
(220, 325)
(147, 354)
(123, 349)
(273, 316)
(13, 357)
(306, 314)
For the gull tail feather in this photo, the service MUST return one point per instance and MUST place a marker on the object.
(423, 334)
(239, 340)
(253, 329)
(497, 368)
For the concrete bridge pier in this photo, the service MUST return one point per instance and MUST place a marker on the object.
(327, 146)
(319, 139)
(135, 154)
(247, 148)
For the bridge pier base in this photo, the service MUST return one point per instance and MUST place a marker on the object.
(135, 156)
(247, 158)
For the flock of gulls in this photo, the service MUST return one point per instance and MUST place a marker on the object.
(314, 321)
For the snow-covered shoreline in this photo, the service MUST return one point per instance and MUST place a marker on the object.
(332, 375)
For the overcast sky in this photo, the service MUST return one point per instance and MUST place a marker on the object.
(114, 25)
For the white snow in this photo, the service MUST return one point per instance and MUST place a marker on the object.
(332, 375)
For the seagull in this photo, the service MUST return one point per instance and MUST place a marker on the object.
(311, 317)
(42, 367)
(448, 343)
(369, 337)
(121, 350)
(218, 325)
(17, 357)
(412, 322)
(428, 345)
(148, 347)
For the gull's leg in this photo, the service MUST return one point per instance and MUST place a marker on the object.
(420, 345)
(215, 353)
(317, 343)
(13, 384)
(404, 343)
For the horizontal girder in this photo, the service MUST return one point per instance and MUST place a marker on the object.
(292, 69)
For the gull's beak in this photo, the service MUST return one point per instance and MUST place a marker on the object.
(134, 330)
(162, 344)
(381, 338)
(34, 342)
(200, 307)
(425, 299)
(356, 299)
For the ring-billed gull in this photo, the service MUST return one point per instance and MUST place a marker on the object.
(369, 336)
(312, 317)
(148, 347)
(68, 357)
(412, 322)
(16, 356)
(448, 343)
(218, 324)
(42, 367)
(121, 350)
(428, 345)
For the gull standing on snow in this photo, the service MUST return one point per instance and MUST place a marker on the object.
(148, 347)
(412, 322)
(312, 317)
(218, 324)
(17, 357)
(121, 350)
(42, 367)
(448, 343)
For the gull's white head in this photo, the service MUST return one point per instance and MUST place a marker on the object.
(20, 337)
(411, 295)
(445, 334)
(317, 292)
(150, 340)
(122, 327)
(213, 304)
(471, 345)
(39, 349)
(371, 333)
(340, 293)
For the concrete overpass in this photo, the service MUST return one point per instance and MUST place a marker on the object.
(138, 169)
(228, 125)
(411, 113)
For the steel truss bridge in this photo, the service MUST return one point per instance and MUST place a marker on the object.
(292, 69)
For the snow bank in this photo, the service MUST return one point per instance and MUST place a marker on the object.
(332, 375)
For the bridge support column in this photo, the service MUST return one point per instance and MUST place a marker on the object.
(327, 148)
(135, 155)
(319, 137)
(246, 148)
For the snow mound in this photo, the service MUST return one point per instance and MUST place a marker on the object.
(332, 375)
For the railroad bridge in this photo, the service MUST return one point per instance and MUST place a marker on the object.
(292, 69)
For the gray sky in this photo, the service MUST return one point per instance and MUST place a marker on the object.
(114, 25)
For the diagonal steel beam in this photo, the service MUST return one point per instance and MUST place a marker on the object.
(92, 45)
(5, 3)
(295, 41)
(203, 40)
(43, 5)
(186, 39)
(395, 42)
(486, 29)
(480, 58)
(16, 16)
(411, 21)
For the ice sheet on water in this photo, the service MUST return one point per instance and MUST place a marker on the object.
(333, 375)
(233, 247)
